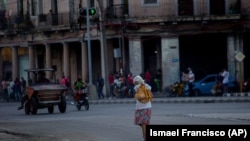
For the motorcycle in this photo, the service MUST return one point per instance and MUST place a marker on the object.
(81, 99)
(178, 89)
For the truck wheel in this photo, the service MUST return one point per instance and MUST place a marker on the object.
(51, 109)
(27, 108)
(34, 105)
(62, 105)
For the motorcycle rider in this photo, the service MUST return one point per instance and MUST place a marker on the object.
(79, 84)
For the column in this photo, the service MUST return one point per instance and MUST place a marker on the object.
(208, 7)
(135, 56)
(110, 60)
(104, 64)
(195, 7)
(231, 56)
(227, 7)
(66, 66)
(31, 57)
(31, 62)
(48, 61)
(15, 67)
(170, 61)
(110, 56)
(235, 44)
(158, 56)
(84, 61)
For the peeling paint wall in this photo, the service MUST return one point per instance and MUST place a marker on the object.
(170, 61)
(135, 57)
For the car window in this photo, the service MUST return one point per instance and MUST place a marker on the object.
(39, 77)
(209, 79)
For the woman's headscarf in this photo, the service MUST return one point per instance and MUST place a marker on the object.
(140, 81)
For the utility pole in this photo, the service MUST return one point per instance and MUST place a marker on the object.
(103, 47)
(89, 44)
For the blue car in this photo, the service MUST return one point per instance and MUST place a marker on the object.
(205, 85)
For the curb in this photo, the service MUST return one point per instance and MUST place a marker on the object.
(225, 99)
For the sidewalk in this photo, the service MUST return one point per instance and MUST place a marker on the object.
(160, 98)
(206, 99)
(163, 99)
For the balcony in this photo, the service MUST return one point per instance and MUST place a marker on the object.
(170, 11)
(57, 21)
(116, 12)
(15, 24)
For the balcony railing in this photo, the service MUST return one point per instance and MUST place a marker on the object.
(116, 11)
(56, 19)
(113, 12)
(175, 11)
(15, 22)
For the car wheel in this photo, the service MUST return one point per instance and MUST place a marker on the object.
(62, 105)
(34, 106)
(51, 109)
(27, 108)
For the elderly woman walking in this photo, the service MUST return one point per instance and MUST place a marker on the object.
(143, 106)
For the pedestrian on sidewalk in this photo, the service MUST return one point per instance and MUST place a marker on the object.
(5, 90)
(17, 89)
(225, 81)
(191, 78)
(143, 105)
(99, 86)
(23, 88)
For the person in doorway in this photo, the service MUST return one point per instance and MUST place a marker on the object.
(143, 97)
(158, 80)
(147, 76)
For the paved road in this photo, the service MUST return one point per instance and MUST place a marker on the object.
(114, 122)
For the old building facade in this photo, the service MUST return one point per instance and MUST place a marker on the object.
(125, 35)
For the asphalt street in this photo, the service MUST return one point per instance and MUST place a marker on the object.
(112, 119)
